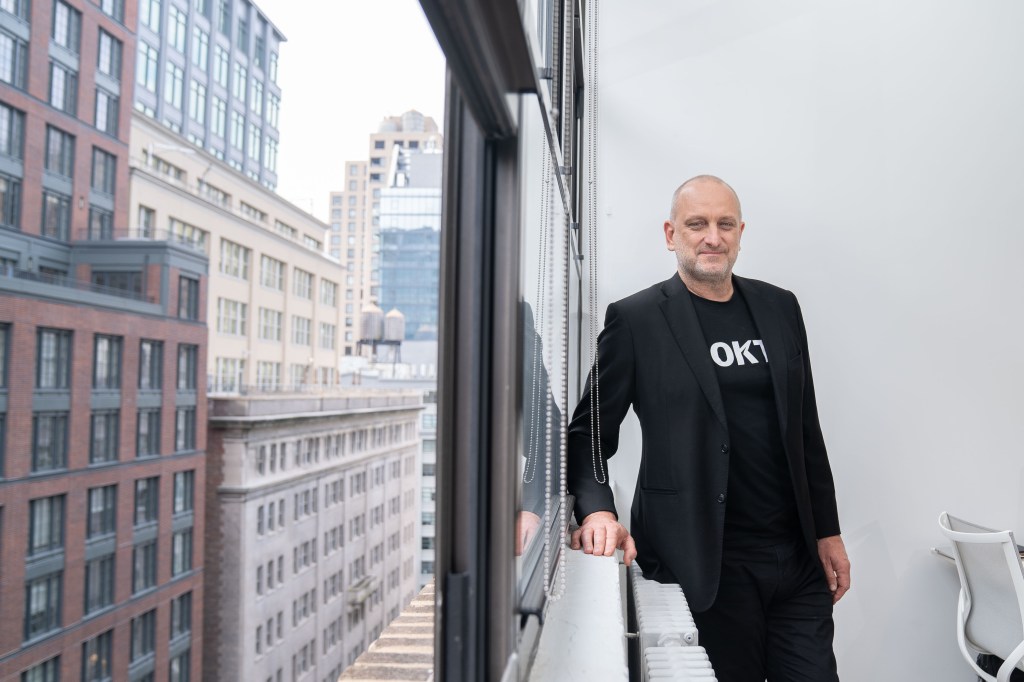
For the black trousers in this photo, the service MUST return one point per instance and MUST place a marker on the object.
(771, 619)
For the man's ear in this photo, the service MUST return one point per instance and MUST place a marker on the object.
(670, 232)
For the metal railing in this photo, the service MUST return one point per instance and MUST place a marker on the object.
(73, 283)
(140, 234)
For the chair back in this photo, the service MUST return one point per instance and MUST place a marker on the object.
(992, 581)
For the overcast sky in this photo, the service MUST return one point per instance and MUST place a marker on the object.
(345, 66)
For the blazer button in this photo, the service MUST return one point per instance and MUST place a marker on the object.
(725, 448)
(721, 498)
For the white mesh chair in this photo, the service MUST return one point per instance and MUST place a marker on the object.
(990, 613)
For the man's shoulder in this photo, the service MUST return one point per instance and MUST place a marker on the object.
(652, 295)
(765, 289)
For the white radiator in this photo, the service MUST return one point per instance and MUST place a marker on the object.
(666, 632)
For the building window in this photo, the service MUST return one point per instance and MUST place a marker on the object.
(181, 552)
(237, 130)
(148, 433)
(113, 8)
(147, 222)
(53, 367)
(143, 635)
(188, 298)
(12, 132)
(151, 364)
(179, 667)
(270, 154)
(149, 14)
(43, 604)
(270, 324)
(107, 362)
(185, 429)
(56, 222)
(47, 671)
(273, 110)
(108, 60)
(46, 525)
(188, 358)
(181, 615)
(328, 334)
(145, 70)
(173, 85)
(13, 60)
(268, 375)
(17, 8)
(231, 317)
(184, 491)
(255, 136)
(147, 497)
(10, 202)
(271, 273)
(129, 281)
(104, 436)
(96, 658)
(49, 441)
(200, 48)
(99, 583)
(67, 26)
(229, 373)
(197, 102)
(107, 112)
(186, 233)
(256, 100)
(143, 566)
(239, 81)
(63, 88)
(302, 283)
(176, 29)
(219, 116)
(104, 171)
(60, 152)
(101, 226)
(102, 513)
(5, 338)
(301, 330)
(220, 66)
(234, 259)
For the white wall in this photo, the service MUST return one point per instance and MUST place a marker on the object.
(878, 149)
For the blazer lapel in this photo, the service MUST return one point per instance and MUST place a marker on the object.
(767, 322)
(682, 321)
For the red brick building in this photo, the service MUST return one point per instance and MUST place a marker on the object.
(102, 393)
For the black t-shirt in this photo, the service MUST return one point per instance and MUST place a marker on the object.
(760, 504)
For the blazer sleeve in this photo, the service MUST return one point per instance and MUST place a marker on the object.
(819, 472)
(613, 393)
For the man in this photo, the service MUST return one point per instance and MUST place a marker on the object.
(734, 497)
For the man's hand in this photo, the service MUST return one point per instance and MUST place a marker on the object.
(833, 557)
(601, 534)
(527, 524)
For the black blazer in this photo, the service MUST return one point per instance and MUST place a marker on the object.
(652, 355)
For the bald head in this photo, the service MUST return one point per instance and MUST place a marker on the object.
(697, 180)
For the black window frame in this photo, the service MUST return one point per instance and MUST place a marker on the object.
(55, 521)
(101, 519)
(97, 657)
(151, 365)
(147, 432)
(63, 358)
(108, 352)
(144, 566)
(104, 436)
(146, 501)
(56, 424)
(53, 583)
(99, 583)
(188, 366)
(188, 297)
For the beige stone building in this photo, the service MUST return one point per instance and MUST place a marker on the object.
(313, 548)
(276, 300)
(355, 212)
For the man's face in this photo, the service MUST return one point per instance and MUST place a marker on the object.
(705, 232)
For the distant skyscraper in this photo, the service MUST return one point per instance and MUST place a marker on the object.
(410, 239)
(207, 69)
(355, 220)
(102, 344)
